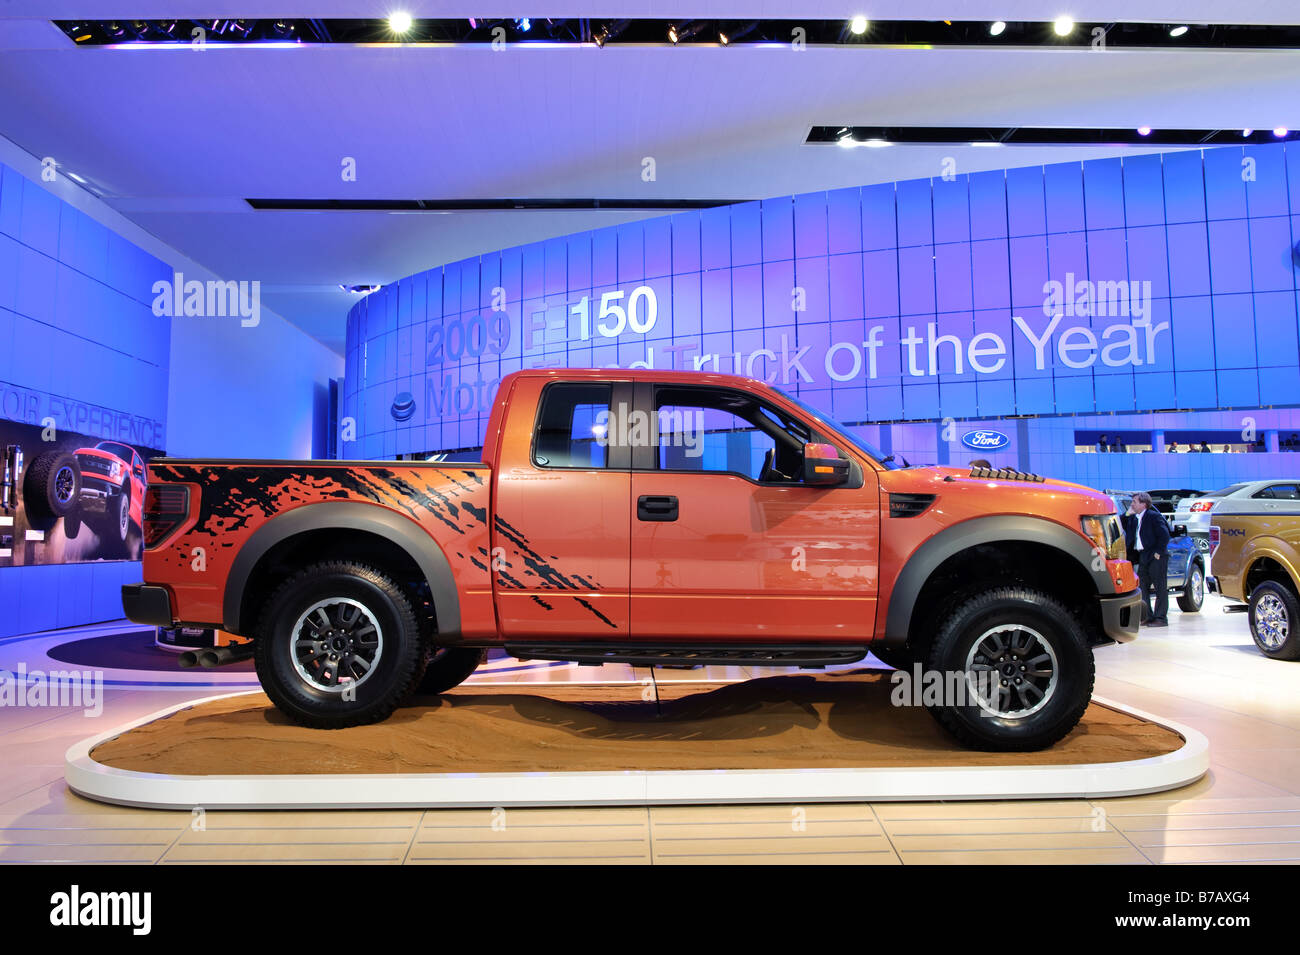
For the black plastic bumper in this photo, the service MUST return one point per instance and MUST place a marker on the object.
(1121, 616)
(148, 605)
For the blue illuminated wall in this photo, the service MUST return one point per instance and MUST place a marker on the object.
(78, 343)
(902, 302)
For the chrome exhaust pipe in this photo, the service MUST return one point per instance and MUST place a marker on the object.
(223, 656)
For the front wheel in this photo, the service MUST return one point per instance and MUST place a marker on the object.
(1273, 613)
(1193, 595)
(338, 645)
(1017, 670)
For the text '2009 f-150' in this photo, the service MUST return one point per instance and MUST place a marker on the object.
(650, 518)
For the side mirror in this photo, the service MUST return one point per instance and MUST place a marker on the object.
(1178, 530)
(822, 465)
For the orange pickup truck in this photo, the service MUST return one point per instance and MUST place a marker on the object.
(644, 517)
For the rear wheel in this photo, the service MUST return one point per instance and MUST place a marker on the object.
(338, 645)
(1274, 614)
(1017, 670)
(1193, 595)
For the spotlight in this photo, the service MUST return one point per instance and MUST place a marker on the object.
(282, 28)
(115, 30)
(1246, 132)
(877, 143)
(1144, 130)
(608, 31)
(1063, 26)
(523, 24)
(685, 31)
(241, 28)
(1279, 131)
(1177, 31)
(845, 138)
(996, 28)
(399, 22)
(738, 33)
(858, 26)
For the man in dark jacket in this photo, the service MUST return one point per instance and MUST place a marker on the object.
(1147, 535)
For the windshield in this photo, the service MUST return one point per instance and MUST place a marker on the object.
(885, 460)
(1224, 492)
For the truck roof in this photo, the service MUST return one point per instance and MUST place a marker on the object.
(641, 374)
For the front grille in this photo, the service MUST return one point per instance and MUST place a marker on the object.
(909, 505)
(88, 462)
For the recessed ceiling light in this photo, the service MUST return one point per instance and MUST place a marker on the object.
(1063, 26)
(996, 28)
(858, 26)
(1178, 31)
(1279, 131)
(1144, 130)
(399, 22)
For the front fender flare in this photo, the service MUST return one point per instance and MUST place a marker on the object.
(980, 530)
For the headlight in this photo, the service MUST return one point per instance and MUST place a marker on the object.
(115, 470)
(1106, 534)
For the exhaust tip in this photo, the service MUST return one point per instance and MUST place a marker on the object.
(188, 660)
(210, 659)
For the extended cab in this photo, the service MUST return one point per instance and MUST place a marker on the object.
(1255, 557)
(651, 518)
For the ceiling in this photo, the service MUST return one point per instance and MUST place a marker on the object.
(176, 139)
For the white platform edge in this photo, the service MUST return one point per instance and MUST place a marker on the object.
(633, 787)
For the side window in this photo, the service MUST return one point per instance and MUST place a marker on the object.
(1279, 492)
(571, 426)
(716, 431)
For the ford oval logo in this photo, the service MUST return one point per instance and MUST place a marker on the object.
(403, 406)
(985, 440)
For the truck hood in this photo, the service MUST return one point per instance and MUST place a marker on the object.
(1005, 491)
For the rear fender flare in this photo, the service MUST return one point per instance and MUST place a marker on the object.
(352, 516)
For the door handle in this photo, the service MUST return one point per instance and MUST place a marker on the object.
(650, 507)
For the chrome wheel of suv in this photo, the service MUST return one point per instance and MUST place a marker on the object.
(65, 485)
(1011, 670)
(336, 644)
(1272, 623)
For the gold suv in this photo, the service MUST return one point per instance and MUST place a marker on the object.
(1255, 558)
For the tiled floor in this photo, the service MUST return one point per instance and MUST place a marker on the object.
(1202, 671)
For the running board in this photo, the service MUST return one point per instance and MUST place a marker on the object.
(688, 655)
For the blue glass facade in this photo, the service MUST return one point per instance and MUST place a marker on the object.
(1083, 295)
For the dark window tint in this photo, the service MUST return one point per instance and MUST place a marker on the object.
(572, 425)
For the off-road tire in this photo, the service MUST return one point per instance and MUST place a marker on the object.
(448, 667)
(968, 623)
(52, 485)
(396, 669)
(1290, 647)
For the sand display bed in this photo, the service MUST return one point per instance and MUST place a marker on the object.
(830, 720)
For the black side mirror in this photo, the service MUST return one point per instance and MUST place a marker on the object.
(822, 465)
(1178, 530)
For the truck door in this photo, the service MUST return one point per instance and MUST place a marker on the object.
(729, 544)
(560, 535)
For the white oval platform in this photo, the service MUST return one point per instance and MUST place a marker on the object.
(634, 787)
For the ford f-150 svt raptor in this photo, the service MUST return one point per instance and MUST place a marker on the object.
(651, 518)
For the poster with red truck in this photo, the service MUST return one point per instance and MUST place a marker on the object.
(71, 499)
